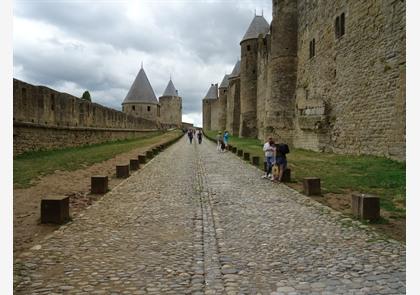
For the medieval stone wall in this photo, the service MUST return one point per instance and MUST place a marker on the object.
(263, 85)
(350, 96)
(206, 114)
(38, 109)
(171, 111)
(233, 106)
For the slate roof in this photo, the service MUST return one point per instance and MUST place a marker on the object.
(170, 90)
(141, 91)
(236, 72)
(225, 82)
(258, 26)
(212, 93)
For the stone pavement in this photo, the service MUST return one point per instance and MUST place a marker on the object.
(194, 221)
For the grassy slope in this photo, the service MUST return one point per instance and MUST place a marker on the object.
(340, 173)
(31, 165)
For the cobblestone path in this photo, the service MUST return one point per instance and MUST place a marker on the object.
(194, 221)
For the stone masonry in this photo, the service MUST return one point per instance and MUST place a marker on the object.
(329, 78)
(209, 225)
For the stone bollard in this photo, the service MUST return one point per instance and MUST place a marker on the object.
(134, 164)
(312, 186)
(142, 159)
(287, 175)
(228, 147)
(240, 153)
(155, 151)
(149, 154)
(256, 160)
(123, 171)
(366, 206)
(246, 156)
(234, 149)
(162, 147)
(99, 184)
(55, 209)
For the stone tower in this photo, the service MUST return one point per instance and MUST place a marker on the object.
(141, 100)
(249, 71)
(208, 100)
(233, 100)
(170, 107)
(223, 91)
(283, 70)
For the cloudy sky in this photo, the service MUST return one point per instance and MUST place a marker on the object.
(79, 45)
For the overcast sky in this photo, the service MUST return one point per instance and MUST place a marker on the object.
(73, 46)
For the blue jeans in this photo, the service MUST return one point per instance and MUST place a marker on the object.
(269, 161)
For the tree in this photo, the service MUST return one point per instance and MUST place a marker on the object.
(86, 96)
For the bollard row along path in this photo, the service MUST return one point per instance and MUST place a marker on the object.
(195, 221)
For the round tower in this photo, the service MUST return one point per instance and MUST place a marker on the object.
(170, 107)
(208, 102)
(141, 100)
(249, 72)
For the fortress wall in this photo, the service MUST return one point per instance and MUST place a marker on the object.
(223, 92)
(171, 111)
(263, 89)
(233, 106)
(350, 97)
(206, 114)
(44, 118)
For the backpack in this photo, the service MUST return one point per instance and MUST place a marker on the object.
(282, 148)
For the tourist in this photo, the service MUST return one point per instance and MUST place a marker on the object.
(219, 141)
(269, 149)
(199, 136)
(281, 160)
(226, 138)
(190, 135)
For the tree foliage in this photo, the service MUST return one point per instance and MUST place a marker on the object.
(86, 96)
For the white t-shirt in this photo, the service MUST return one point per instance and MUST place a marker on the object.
(268, 149)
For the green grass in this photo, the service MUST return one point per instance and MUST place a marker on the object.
(32, 165)
(342, 173)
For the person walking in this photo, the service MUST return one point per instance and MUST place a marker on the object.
(226, 138)
(190, 135)
(199, 136)
(269, 149)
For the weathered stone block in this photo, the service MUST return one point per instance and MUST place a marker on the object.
(246, 156)
(123, 171)
(355, 204)
(312, 186)
(134, 164)
(142, 159)
(256, 160)
(55, 209)
(149, 154)
(287, 175)
(369, 207)
(240, 153)
(99, 184)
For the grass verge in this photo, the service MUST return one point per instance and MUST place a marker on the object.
(32, 165)
(342, 173)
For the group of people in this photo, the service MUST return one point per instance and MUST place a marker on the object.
(275, 157)
(192, 132)
(222, 141)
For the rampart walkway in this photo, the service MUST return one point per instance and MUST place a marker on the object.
(194, 221)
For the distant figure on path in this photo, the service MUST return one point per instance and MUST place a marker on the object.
(219, 141)
(199, 136)
(269, 149)
(190, 135)
(226, 137)
(280, 159)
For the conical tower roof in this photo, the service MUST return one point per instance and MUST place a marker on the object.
(141, 91)
(236, 72)
(212, 93)
(225, 82)
(258, 26)
(170, 90)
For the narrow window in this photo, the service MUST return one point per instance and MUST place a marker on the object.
(24, 93)
(148, 108)
(52, 102)
(248, 47)
(312, 48)
(342, 24)
(133, 108)
(337, 27)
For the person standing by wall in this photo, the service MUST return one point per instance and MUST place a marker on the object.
(269, 149)
(281, 160)
(226, 138)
